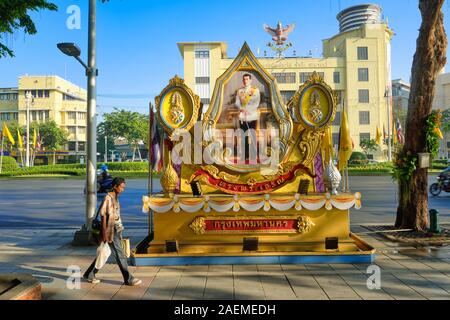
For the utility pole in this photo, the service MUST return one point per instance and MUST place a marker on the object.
(28, 98)
(106, 148)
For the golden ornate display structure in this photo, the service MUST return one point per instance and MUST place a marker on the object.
(219, 205)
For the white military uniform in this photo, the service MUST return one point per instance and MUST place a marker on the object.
(247, 100)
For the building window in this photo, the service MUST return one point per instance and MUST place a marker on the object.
(364, 117)
(284, 77)
(16, 116)
(202, 54)
(34, 115)
(304, 76)
(72, 130)
(364, 136)
(205, 100)
(337, 120)
(199, 80)
(81, 146)
(40, 93)
(46, 115)
(448, 145)
(81, 115)
(81, 130)
(72, 146)
(287, 95)
(363, 96)
(337, 77)
(363, 53)
(335, 138)
(72, 115)
(363, 74)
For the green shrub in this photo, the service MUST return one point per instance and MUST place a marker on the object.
(358, 158)
(126, 166)
(9, 164)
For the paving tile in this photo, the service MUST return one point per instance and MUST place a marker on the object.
(305, 286)
(336, 288)
(358, 282)
(219, 287)
(190, 286)
(164, 284)
(423, 286)
(274, 283)
(133, 293)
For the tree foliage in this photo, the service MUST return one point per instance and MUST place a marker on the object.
(14, 15)
(133, 126)
(445, 121)
(52, 137)
(368, 145)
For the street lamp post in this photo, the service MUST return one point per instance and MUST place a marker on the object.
(70, 49)
(28, 98)
(106, 149)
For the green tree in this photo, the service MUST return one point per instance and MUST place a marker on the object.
(103, 131)
(429, 59)
(368, 145)
(133, 126)
(14, 15)
(52, 137)
(445, 121)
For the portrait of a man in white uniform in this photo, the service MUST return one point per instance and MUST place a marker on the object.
(248, 98)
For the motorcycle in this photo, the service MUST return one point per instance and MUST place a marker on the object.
(104, 183)
(443, 183)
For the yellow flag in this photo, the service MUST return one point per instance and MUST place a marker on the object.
(327, 145)
(34, 138)
(379, 136)
(345, 143)
(7, 133)
(19, 139)
(394, 134)
(439, 133)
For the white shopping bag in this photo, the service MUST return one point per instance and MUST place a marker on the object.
(103, 253)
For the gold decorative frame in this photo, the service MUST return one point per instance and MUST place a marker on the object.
(295, 104)
(177, 83)
(247, 61)
(304, 224)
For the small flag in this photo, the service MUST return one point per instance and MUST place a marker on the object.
(345, 143)
(34, 138)
(378, 138)
(439, 133)
(38, 141)
(400, 136)
(394, 134)
(19, 139)
(155, 141)
(6, 133)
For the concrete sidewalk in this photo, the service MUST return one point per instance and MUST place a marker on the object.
(406, 273)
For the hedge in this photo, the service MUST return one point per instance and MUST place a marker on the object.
(9, 164)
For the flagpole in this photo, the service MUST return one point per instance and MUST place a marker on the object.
(1, 157)
(150, 168)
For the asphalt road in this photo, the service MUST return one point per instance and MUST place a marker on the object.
(60, 203)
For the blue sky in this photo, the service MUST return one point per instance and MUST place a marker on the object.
(137, 51)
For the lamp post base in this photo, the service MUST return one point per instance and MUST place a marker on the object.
(82, 238)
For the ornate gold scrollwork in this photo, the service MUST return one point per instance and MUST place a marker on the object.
(216, 173)
(309, 144)
(304, 224)
(179, 115)
(198, 225)
(316, 116)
